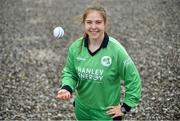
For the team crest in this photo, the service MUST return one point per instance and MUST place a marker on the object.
(106, 61)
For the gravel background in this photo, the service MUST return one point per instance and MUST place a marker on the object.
(31, 58)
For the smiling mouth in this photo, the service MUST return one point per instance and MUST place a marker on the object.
(94, 32)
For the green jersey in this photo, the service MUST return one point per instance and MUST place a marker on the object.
(96, 77)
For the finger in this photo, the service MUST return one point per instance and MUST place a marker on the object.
(61, 91)
(63, 94)
(66, 97)
(115, 116)
(59, 96)
(110, 112)
(110, 107)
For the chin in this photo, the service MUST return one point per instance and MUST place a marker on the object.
(94, 37)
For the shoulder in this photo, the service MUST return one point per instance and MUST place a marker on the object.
(76, 46)
(77, 43)
(119, 50)
(116, 45)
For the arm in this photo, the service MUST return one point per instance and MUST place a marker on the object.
(128, 73)
(132, 81)
(69, 78)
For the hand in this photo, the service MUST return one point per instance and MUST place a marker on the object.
(63, 94)
(114, 111)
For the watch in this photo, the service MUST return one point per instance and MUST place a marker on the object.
(123, 110)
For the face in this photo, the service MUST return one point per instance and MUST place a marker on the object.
(94, 25)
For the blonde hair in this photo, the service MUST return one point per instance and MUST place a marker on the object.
(98, 8)
(95, 6)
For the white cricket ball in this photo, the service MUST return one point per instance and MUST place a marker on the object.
(58, 32)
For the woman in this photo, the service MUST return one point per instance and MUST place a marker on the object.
(96, 64)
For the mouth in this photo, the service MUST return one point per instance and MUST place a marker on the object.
(94, 32)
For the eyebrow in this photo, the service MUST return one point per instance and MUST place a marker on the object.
(94, 20)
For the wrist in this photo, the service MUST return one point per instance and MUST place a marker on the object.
(68, 88)
(125, 108)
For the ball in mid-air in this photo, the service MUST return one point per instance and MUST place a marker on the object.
(58, 32)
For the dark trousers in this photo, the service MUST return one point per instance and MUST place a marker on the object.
(119, 118)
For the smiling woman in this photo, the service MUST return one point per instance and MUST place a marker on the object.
(94, 20)
(96, 65)
(94, 27)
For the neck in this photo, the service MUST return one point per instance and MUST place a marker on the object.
(96, 42)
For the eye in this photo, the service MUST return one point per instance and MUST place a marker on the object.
(88, 22)
(98, 22)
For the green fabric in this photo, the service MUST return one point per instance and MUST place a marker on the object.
(85, 113)
(97, 78)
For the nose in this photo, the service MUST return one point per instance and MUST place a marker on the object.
(93, 25)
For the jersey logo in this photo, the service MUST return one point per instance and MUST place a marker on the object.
(106, 61)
